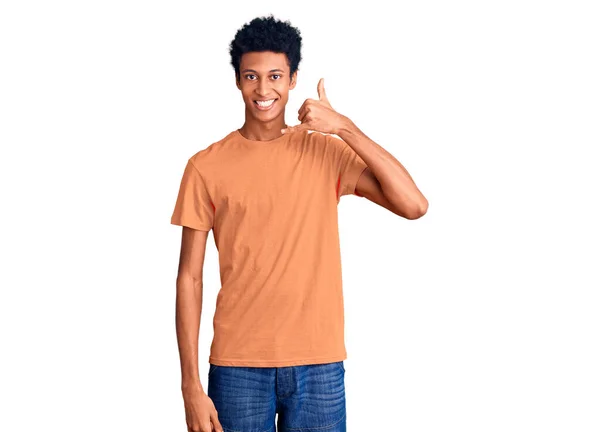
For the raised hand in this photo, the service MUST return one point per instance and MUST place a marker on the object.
(317, 115)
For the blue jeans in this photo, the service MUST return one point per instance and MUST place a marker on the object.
(307, 398)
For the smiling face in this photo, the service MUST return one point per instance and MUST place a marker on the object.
(265, 82)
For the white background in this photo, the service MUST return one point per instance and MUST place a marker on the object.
(480, 316)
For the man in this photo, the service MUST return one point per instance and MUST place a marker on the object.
(270, 193)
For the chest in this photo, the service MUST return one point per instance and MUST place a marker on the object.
(272, 183)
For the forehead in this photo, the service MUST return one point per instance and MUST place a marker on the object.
(264, 61)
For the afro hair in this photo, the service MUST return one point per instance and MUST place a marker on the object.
(267, 34)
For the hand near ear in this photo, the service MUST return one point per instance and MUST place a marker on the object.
(317, 115)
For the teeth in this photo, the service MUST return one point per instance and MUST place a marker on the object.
(265, 103)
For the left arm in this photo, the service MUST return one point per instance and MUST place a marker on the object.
(385, 181)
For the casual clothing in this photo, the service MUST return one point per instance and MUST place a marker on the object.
(305, 398)
(272, 206)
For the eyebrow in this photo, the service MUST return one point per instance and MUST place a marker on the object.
(252, 70)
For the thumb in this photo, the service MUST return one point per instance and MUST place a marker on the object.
(321, 90)
(291, 129)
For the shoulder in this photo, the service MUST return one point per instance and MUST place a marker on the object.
(332, 145)
(209, 155)
(328, 140)
(329, 143)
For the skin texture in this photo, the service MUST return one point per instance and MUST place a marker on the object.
(266, 75)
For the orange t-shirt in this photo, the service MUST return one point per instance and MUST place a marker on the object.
(272, 206)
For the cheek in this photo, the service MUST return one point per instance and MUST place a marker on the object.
(283, 94)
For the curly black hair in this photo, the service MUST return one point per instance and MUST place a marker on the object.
(266, 34)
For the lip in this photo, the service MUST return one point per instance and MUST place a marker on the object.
(258, 107)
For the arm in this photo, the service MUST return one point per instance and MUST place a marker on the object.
(189, 303)
(385, 181)
(200, 410)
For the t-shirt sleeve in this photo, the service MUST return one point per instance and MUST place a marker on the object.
(193, 207)
(347, 164)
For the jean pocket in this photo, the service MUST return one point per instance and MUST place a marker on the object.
(340, 365)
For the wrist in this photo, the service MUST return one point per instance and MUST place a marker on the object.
(345, 126)
(191, 385)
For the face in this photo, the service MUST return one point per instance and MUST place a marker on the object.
(265, 76)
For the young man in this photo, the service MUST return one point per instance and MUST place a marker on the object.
(270, 193)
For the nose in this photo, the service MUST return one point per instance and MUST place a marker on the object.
(262, 88)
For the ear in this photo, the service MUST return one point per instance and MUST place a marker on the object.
(237, 82)
(293, 80)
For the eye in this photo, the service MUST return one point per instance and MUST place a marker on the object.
(249, 75)
(276, 75)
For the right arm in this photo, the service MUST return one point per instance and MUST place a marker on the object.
(200, 410)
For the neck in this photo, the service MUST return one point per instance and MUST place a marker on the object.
(263, 131)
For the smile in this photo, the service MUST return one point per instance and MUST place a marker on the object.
(265, 105)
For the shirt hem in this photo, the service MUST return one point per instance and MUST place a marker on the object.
(277, 363)
(182, 223)
(353, 178)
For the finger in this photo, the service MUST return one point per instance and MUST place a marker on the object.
(214, 418)
(303, 116)
(305, 104)
(297, 128)
(302, 113)
(321, 90)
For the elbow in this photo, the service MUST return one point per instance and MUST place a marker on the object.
(418, 211)
(408, 209)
